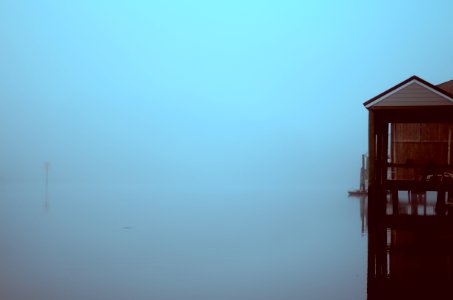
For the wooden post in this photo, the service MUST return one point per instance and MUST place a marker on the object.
(393, 139)
(449, 146)
(395, 201)
(380, 164)
(377, 259)
(384, 130)
(380, 151)
(440, 203)
(362, 175)
(371, 150)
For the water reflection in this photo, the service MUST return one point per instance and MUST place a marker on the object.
(139, 242)
(410, 246)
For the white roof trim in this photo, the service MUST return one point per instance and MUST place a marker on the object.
(404, 86)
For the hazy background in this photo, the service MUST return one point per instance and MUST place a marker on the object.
(237, 92)
(198, 149)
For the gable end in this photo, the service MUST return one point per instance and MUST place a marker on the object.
(413, 92)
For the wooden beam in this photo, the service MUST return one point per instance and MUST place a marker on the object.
(371, 150)
(417, 114)
(409, 185)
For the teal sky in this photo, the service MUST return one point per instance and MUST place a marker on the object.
(178, 91)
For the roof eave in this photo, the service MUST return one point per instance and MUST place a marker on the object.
(370, 103)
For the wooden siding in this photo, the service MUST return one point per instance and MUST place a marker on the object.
(419, 146)
(413, 94)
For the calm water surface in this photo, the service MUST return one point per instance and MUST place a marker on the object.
(133, 241)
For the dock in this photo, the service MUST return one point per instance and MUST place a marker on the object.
(410, 191)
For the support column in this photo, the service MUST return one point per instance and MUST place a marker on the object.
(371, 150)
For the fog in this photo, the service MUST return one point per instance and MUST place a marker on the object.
(217, 128)
(177, 91)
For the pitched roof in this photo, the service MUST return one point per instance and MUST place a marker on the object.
(413, 91)
(446, 86)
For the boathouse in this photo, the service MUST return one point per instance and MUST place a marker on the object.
(410, 135)
(410, 241)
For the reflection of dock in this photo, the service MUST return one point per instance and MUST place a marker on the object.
(410, 253)
(410, 246)
(363, 190)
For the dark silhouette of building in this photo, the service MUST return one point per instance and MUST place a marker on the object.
(410, 219)
(410, 132)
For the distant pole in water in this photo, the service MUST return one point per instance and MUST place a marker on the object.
(46, 200)
(362, 175)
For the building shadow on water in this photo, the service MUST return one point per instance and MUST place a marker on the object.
(410, 245)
